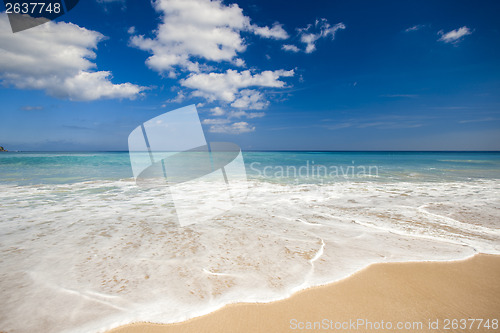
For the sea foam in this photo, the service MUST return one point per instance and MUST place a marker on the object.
(89, 256)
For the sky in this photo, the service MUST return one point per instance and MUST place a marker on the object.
(267, 75)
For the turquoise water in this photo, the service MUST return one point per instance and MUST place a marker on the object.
(77, 232)
(304, 167)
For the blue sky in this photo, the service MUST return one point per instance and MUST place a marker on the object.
(267, 75)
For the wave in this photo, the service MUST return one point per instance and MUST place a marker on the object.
(89, 256)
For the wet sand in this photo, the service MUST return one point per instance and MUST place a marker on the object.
(419, 295)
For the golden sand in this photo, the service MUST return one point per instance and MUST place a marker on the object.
(430, 293)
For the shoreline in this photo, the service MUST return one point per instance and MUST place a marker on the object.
(397, 292)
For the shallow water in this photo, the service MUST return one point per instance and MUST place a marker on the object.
(86, 250)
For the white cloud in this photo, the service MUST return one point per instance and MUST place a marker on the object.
(240, 62)
(250, 99)
(226, 86)
(320, 29)
(400, 95)
(56, 58)
(193, 30)
(291, 48)
(215, 121)
(31, 108)
(226, 124)
(88, 86)
(192, 37)
(179, 98)
(131, 30)
(228, 128)
(415, 28)
(312, 33)
(217, 111)
(249, 115)
(276, 32)
(106, 3)
(488, 119)
(454, 36)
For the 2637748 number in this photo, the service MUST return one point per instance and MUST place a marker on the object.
(32, 8)
(470, 324)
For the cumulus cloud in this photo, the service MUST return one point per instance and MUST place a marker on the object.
(217, 111)
(192, 38)
(57, 58)
(250, 99)
(454, 36)
(230, 86)
(240, 62)
(276, 32)
(291, 48)
(193, 30)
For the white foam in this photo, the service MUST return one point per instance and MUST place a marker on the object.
(91, 256)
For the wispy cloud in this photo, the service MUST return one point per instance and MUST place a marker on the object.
(232, 122)
(179, 98)
(248, 115)
(31, 108)
(454, 36)
(110, 1)
(400, 95)
(453, 107)
(75, 127)
(480, 120)
(415, 27)
(106, 3)
(389, 122)
(312, 33)
(225, 126)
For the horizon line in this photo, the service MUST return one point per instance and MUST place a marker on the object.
(271, 150)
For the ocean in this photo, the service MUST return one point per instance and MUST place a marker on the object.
(84, 249)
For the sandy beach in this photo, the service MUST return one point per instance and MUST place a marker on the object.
(420, 296)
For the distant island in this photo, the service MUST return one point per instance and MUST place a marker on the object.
(1, 149)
